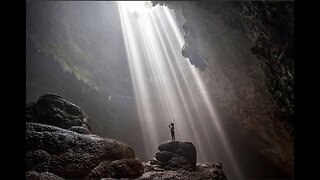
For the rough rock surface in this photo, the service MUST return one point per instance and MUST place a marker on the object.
(80, 129)
(31, 175)
(124, 168)
(177, 160)
(204, 171)
(53, 152)
(54, 110)
(176, 155)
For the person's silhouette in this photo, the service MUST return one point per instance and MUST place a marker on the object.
(171, 126)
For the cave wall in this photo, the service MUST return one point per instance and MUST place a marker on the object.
(245, 52)
(76, 50)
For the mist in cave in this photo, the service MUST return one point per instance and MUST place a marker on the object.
(167, 87)
(127, 64)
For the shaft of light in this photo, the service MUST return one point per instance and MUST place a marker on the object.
(167, 87)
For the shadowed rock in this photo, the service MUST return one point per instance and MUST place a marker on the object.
(71, 155)
(53, 110)
(37, 160)
(100, 171)
(69, 151)
(124, 168)
(177, 155)
(164, 156)
(177, 160)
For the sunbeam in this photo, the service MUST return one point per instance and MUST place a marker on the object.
(167, 87)
(160, 90)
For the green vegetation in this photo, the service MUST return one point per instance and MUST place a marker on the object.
(67, 61)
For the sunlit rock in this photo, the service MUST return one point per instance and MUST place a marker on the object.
(80, 129)
(31, 175)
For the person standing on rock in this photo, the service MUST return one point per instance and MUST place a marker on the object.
(171, 126)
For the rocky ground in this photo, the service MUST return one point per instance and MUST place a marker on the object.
(177, 160)
(60, 145)
(203, 171)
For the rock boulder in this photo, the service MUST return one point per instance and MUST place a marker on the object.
(59, 145)
(54, 110)
(176, 155)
